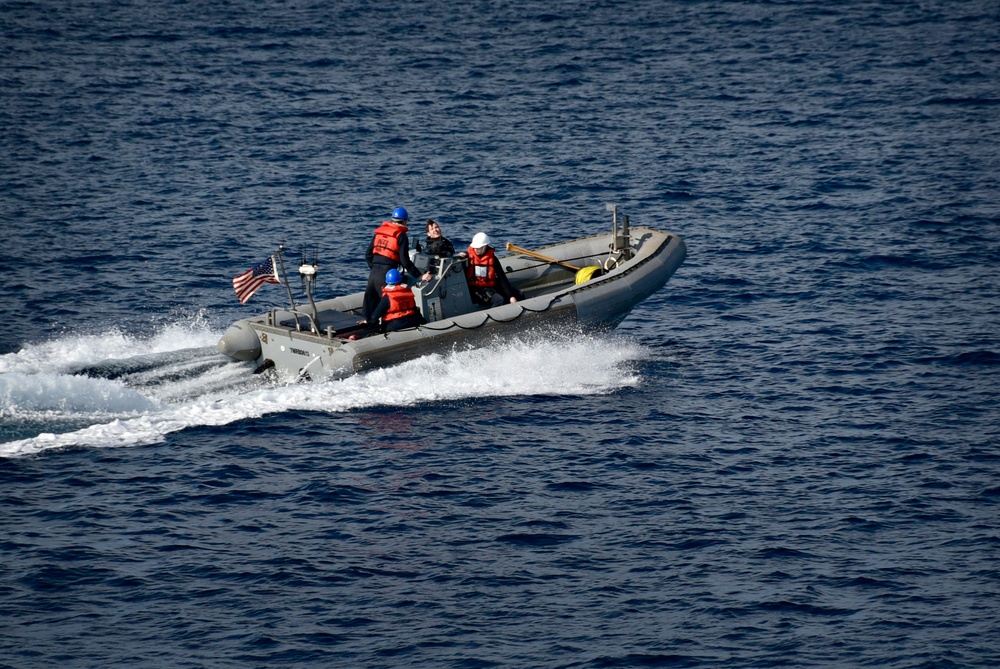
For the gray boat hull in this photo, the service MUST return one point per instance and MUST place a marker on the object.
(322, 344)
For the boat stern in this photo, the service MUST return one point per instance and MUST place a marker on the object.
(240, 342)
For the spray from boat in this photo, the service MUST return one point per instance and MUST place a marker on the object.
(107, 390)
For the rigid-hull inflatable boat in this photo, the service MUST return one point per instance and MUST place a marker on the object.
(590, 283)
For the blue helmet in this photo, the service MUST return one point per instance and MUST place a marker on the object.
(399, 215)
(392, 277)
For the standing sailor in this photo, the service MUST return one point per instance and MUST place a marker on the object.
(437, 244)
(389, 249)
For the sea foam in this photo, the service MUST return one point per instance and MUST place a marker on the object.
(225, 391)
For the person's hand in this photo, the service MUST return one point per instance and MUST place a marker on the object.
(426, 277)
(513, 300)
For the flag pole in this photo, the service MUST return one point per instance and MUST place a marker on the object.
(284, 277)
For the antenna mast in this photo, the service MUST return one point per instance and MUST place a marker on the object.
(284, 276)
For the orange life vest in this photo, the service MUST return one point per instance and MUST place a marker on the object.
(481, 272)
(387, 239)
(401, 301)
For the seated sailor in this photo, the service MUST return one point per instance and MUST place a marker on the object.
(397, 309)
(488, 284)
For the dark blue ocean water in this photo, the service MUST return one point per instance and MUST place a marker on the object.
(790, 456)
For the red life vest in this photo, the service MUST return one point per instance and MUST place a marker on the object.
(401, 301)
(481, 272)
(387, 239)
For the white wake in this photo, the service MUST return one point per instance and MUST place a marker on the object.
(111, 390)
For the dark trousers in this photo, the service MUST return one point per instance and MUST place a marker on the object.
(373, 292)
(487, 297)
(411, 321)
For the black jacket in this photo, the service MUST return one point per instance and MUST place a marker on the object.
(439, 247)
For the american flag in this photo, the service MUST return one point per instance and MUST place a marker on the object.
(246, 284)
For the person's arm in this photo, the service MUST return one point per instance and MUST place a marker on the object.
(381, 310)
(503, 283)
(404, 260)
(404, 256)
(370, 253)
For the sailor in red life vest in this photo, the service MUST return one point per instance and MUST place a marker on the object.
(488, 284)
(389, 249)
(398, 307)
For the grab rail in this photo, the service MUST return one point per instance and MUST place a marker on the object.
(446, 264)
(272, 319)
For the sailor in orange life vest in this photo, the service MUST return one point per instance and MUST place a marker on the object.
(488, 284)
(398, 307)
(389, 249)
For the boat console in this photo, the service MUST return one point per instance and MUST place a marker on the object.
(446, 295)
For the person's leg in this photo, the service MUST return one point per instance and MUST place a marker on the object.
(373, 291)
(403, 323)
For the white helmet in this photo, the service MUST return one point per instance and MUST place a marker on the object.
(480, 240)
